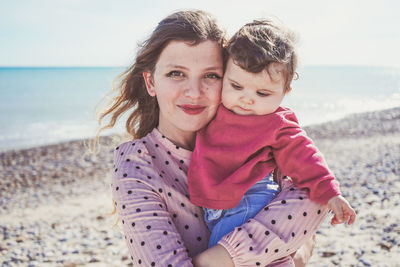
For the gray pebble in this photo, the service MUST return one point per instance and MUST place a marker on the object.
(365, 262)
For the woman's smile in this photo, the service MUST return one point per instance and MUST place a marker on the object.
(187, 82)
(192, 109)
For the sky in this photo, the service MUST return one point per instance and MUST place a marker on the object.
(106, 33)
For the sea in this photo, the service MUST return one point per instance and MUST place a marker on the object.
(47, 105)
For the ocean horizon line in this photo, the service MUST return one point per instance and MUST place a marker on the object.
(42, 104)
(125, 66)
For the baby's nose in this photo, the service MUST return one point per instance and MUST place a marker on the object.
(247, 100)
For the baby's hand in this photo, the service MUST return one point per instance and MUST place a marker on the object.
(342, 210)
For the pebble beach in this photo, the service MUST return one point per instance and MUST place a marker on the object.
(55, 200)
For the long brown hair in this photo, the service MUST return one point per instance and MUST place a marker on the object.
(192, 26)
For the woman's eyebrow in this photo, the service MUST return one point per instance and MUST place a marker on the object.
(174, 66)
(213, 68)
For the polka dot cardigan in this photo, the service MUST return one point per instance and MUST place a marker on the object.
(163, 228)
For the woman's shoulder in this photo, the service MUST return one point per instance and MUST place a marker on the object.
(134, 150)
(132, 160)
(130, 146)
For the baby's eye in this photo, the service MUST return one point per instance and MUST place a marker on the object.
(262, 94)
(175, 73)
(237, 87)
(213, 76)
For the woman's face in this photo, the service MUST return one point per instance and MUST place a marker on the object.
(187, 82)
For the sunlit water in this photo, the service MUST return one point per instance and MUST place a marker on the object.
(48, 105)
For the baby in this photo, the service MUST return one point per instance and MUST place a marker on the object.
(231, 168)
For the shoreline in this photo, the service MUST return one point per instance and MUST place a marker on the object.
(55, 200)
(19, 148)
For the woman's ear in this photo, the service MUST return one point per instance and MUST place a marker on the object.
(148, 80)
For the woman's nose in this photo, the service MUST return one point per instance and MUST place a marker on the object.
(193, 88)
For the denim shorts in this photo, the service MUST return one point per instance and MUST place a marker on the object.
(222, 222)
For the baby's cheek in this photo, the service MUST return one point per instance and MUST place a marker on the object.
(226, 98)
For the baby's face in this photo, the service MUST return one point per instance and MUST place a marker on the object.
(247, 93)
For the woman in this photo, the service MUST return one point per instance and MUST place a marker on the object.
(173, 89)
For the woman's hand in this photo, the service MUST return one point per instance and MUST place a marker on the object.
(215, 256)
(342, 210)
(304, 253)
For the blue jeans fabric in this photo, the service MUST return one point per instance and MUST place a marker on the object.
(222, 222)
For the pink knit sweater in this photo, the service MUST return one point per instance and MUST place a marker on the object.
(234, 152)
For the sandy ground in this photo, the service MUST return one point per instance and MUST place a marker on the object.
(55, 203)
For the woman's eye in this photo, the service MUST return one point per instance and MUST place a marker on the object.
(213, 76)
(175, 73)
(237, 87)
(262, 94)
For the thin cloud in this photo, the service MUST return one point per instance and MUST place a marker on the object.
(93, 32)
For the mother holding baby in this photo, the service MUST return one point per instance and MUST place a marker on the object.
(172, 90)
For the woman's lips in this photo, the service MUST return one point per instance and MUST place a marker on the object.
(192, 109)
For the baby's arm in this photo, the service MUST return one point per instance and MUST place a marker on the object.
(297, 156)
(342, 210)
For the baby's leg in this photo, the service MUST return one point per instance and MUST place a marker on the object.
(227, 223)
(255, 199)
(278, 230)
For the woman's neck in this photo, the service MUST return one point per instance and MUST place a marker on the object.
(180, 138)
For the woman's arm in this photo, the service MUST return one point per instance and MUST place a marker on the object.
(304, 253)
(219, 256)
(150, 233)
(214, 256)
(277, 231)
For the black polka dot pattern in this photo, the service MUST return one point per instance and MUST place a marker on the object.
(151, 186)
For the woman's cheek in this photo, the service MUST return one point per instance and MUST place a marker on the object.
(214, 91)
(217, 93)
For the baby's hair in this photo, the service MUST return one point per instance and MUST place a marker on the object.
(259, 43)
